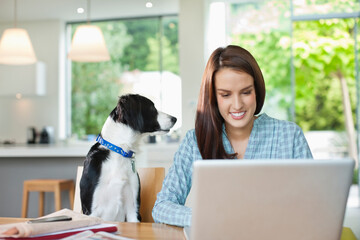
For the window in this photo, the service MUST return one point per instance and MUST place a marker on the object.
(144, 60)
(308, 52)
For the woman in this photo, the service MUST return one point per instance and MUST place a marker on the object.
(227, 126)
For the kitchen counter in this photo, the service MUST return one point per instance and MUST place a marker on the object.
(78, 149)
(43, 150)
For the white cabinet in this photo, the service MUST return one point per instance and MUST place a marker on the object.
(27, 80)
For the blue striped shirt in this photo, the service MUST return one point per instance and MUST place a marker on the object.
(269, 138)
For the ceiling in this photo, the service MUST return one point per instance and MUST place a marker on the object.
(36, 10)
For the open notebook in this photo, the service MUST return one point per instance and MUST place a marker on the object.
(269, 199)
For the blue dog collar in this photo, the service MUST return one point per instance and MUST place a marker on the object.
(114, 148)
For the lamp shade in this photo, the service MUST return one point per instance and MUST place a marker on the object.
(88, 45)
(16, 47)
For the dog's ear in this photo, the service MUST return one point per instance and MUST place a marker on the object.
(114, 114)
(129, 111)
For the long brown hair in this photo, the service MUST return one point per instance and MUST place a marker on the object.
(208, 123)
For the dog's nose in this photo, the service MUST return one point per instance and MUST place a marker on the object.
(173, 120)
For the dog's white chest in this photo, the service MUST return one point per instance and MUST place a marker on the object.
(115, 196)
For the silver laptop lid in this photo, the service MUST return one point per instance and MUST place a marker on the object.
(270, 199)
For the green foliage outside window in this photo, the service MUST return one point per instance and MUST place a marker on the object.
(323, 50)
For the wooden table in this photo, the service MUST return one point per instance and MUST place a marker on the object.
(149, 231)
(146, 231)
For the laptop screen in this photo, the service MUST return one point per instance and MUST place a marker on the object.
(270, 199)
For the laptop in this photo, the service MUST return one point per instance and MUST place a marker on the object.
(269, 199)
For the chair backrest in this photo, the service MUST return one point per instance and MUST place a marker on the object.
(151, 180)
(151, 183)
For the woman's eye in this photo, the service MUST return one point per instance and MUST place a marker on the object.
(247, 92)
(225, 95)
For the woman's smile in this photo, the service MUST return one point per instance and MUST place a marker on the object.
(237, 115)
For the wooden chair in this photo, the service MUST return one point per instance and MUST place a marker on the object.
(151, 180)
(46, 185)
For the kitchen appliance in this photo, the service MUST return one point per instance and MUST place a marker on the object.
(47, 135)
(31, 135)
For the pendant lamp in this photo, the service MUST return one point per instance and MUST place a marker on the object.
(88, 43)
(15, 45)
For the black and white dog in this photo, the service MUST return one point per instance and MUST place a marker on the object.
(110, 186)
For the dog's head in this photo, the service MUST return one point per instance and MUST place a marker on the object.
(140, 114)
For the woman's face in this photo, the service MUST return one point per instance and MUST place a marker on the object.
(236, 98)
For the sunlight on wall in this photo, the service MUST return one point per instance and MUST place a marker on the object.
(216, 32)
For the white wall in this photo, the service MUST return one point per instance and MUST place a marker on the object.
(38, 111)
(192, 64)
